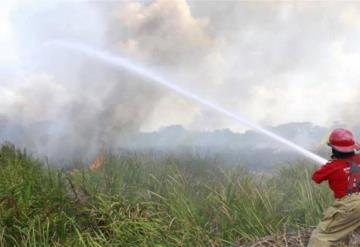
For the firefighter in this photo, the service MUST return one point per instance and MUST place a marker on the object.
(343, 175)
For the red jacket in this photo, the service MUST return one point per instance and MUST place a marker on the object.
(337, 173)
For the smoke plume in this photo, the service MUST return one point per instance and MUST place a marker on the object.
(68, 106)
(275, 62)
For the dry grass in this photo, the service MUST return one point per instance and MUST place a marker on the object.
(137, 200)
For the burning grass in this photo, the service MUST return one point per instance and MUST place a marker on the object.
(137, 200)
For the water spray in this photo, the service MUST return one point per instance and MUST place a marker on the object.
(133, 67)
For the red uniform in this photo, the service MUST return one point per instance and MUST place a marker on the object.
(343, 176)
(337, 173)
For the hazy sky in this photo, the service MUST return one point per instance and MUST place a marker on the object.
(275, 62)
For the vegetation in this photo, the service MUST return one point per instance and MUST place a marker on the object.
(137, 200)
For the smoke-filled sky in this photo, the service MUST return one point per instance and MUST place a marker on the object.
(272, 61)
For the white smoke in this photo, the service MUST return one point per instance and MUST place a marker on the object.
(68, 106)
(275, 62)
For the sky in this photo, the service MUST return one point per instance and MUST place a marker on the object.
(273, 62)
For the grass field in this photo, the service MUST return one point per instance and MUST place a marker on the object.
(139, 200)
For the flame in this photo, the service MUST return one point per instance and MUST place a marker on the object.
(97, 163)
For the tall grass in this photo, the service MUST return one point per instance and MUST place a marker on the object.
(136, 200)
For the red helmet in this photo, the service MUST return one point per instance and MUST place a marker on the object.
(343, 140)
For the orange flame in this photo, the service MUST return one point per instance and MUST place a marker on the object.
(97, 163)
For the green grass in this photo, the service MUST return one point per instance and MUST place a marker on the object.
(136, 200)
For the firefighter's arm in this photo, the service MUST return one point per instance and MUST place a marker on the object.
(322, 173)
